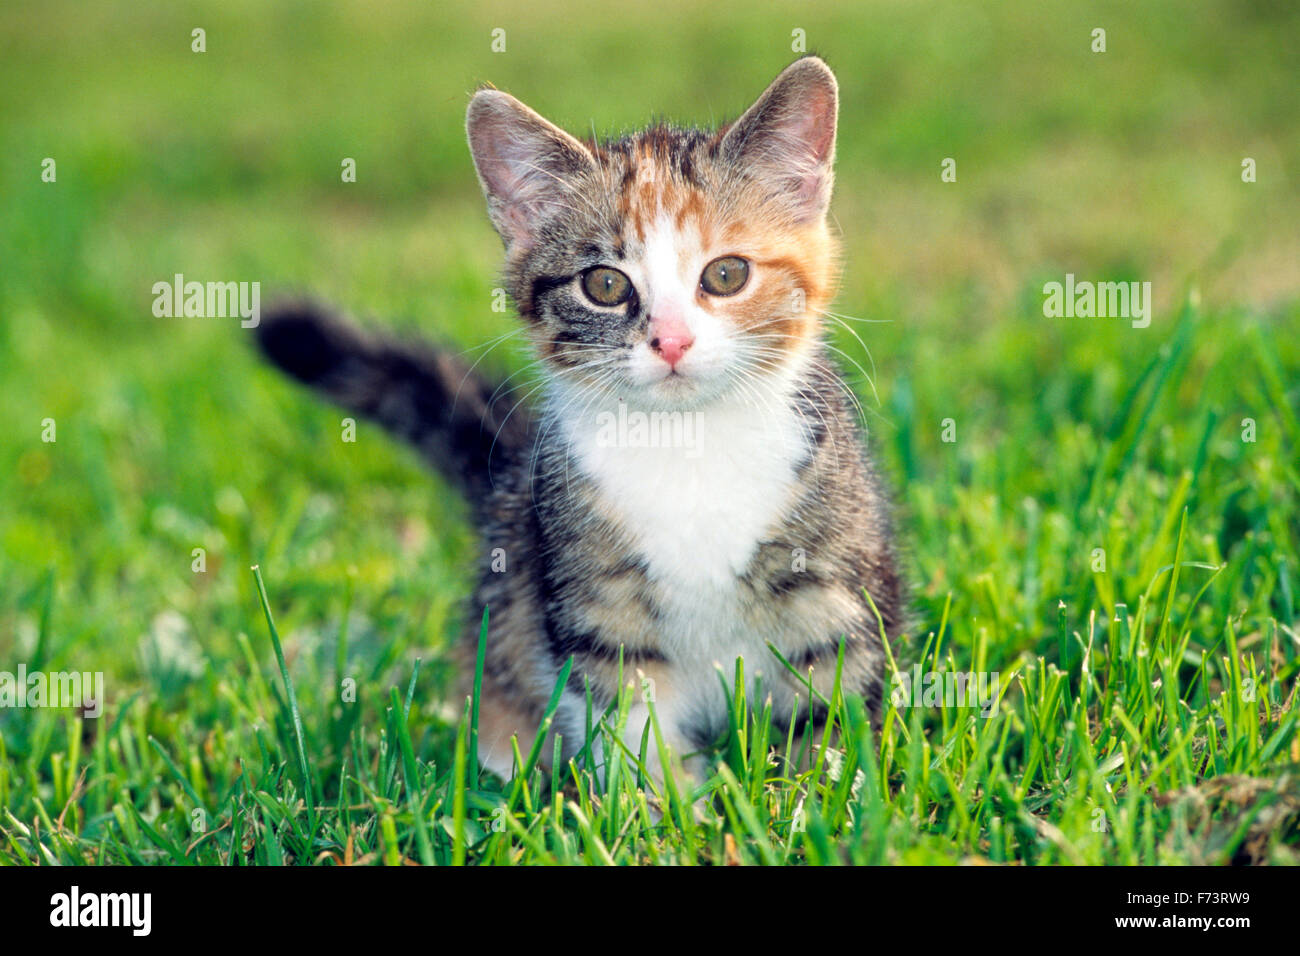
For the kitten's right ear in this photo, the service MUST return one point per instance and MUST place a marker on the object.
(527, 166)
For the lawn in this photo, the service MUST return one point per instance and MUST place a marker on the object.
(1106, 516)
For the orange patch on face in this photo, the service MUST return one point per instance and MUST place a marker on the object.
(794, 272)
(645, 192)
(690, 207)
(771, 312)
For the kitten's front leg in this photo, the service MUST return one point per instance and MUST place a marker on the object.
(639, 727)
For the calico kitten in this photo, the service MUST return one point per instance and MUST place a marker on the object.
(678, 277)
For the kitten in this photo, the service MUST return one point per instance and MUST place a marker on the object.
(693, 485)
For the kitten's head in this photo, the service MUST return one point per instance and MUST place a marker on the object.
(673, 266)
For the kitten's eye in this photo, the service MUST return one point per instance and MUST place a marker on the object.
(606, 286)
(725, 276)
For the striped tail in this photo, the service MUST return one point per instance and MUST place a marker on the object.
(429, 397)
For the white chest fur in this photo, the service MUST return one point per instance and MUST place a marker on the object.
(696, 493)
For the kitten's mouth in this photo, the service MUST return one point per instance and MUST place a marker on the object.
(684, 390)
(676, 381)
(675, 388)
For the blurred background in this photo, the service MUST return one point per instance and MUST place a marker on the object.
(225, 165)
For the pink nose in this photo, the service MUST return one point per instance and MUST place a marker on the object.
(670, 339)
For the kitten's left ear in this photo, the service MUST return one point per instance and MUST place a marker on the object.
(788, 137)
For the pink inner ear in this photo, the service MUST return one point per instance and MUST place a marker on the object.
(502, 152)
(811, 135)
(817, 126)
(801, 144)
(505, 150)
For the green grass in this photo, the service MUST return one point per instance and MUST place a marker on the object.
(1148, 712)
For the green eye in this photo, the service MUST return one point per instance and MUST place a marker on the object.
(725, 276)
(606, 286)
